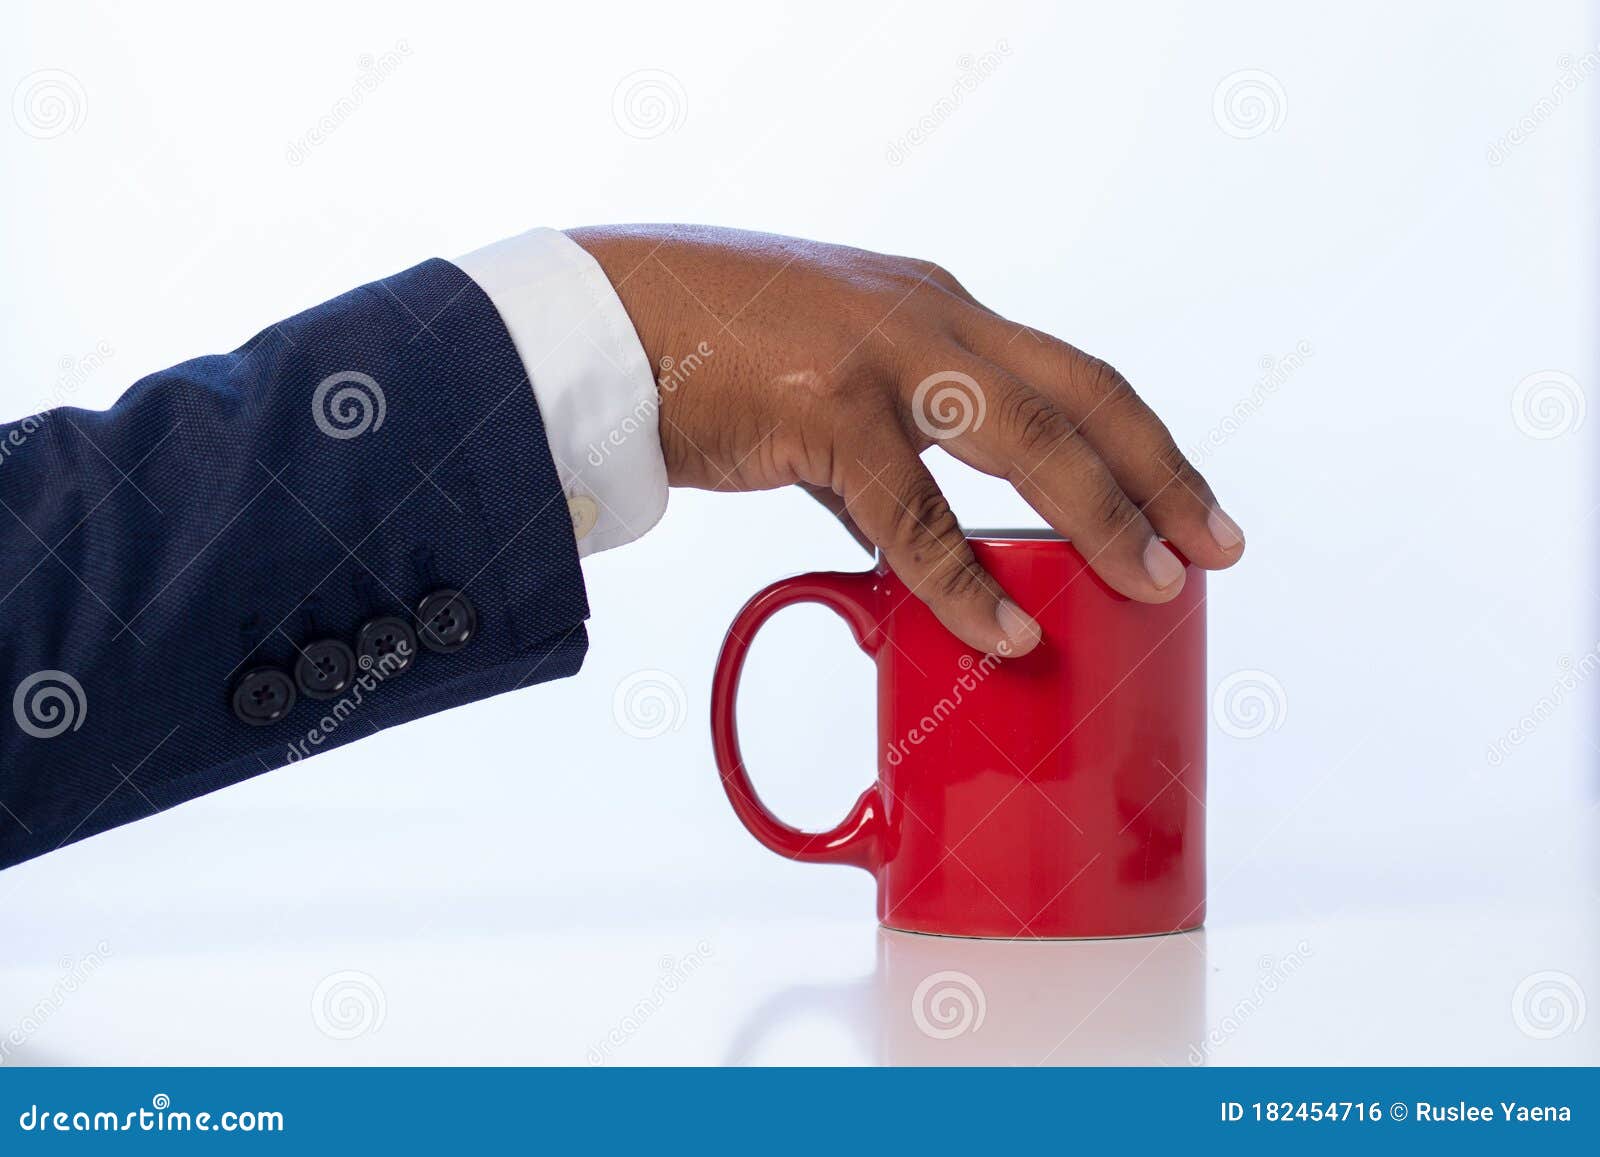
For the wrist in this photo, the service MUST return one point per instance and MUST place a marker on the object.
(593, 382)
(626, 261)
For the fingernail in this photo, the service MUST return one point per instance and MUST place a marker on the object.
(1021, 631)
(1224, 530)
(1161, 564)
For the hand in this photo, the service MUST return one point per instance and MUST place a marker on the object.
(834, 368)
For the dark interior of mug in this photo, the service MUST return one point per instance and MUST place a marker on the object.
(1013, 532)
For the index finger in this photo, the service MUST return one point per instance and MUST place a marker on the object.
(893, 498)
(1131, 440)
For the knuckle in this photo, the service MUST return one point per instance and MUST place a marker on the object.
(1175, 477)
(954, 579)
(1109, 506)
(908, 268)
(1105, 382)
(922, 521)
(1173, 463)
(932, 273)
(1036, 426)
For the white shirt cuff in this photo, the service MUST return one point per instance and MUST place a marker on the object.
(591, 378)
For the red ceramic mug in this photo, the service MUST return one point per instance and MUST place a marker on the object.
(1059, 794)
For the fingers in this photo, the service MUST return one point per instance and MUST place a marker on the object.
(835, 506)
(895, 501)
(1025, 439)
(1129, 438)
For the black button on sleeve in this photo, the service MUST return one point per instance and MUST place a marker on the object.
(263, 695)
(448, 620)
(386, 644)
(325, 668)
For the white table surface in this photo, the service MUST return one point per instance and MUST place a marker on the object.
(1386, 958)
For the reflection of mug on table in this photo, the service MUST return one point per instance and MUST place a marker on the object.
(936, 1000)
(1058, 794)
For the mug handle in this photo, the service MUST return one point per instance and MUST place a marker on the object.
(856, 839)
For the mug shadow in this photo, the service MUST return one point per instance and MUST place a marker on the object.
(934, 1000)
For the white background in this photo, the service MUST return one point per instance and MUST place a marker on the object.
(510, 876)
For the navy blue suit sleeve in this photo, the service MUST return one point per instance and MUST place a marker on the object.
(226, 513)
